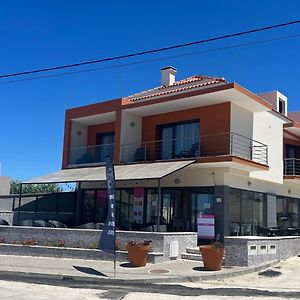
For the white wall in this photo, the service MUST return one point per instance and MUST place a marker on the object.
(131, 134)
(241, 121)
(4, 185)
(268, 129)
(78, 135)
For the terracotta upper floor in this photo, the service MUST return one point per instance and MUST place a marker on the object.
(206, 118)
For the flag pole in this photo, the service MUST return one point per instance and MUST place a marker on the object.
(115, 269)
(107, 241)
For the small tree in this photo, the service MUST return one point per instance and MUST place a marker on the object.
(33, 188)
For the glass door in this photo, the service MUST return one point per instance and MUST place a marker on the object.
(201, 204)
(105, 146)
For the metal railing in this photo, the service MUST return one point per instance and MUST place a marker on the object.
(192, 147)
(291, 166)
(90, 154)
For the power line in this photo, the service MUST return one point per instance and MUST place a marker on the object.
(155, 59)
(152, 51)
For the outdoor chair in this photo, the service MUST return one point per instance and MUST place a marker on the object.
(85, 159)
(263, 231)
(192, 152)
(141, 154)
(291, 231)
(87, 226)
(147, 229)
(57, 224)
(42, 223)
(3, 222)
(235, 229)
(99, 225)
(161, 228)
(28, 223)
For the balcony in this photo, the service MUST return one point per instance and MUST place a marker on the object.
(291, 167)
(89, 155)
(208, 146)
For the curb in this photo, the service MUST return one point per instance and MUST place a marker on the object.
(74, 280)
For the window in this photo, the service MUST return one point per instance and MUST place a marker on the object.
(247, 210)
(281, 106)
(287, 212)
(179, 140)
(124, 208)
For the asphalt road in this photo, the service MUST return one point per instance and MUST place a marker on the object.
(22, 291)
(279, 282)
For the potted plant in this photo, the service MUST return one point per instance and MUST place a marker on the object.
(138, 252)
(212, 255)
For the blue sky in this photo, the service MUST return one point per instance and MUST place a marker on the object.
(37, 34)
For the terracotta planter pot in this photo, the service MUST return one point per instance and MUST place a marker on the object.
(138, 254)
(212, 257)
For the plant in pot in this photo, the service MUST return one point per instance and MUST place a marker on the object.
(138, 252)
(212, 255)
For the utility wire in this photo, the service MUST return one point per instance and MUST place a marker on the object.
(153, 50)
(155, 59)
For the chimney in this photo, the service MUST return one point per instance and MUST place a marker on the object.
(168, 75)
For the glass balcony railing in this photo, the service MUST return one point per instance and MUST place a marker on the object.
(223, 144)
(291, 166)
(90, 154)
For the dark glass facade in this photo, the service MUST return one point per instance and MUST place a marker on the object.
(247, 212)
(287, 212)
(138, 207)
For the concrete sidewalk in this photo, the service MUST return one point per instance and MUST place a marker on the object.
(93, 271)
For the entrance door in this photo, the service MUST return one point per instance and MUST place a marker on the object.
(201, 203)
(175, 209)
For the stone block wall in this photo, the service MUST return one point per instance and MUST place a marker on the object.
(255, 250)
(83, 238)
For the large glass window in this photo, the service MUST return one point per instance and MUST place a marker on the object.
(235, 212)
(179, 140)
(179, 207)
(152, 203)
(124, 208)
(247, 210)
(287, 212)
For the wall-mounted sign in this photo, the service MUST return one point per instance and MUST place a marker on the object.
(206, 226)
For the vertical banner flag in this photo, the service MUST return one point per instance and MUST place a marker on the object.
(108, 237)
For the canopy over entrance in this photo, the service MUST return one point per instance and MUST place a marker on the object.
(139, 171)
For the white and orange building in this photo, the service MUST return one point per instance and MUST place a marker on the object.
(190, 146)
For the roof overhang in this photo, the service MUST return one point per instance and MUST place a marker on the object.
(293, 128)
(230, 92)
(291, 178)
(96, 119)
(140, 171)
(232, 162)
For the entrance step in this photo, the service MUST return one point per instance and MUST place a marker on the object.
(191, 256)
(194, 250)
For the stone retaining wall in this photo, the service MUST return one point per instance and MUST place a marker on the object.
(84, 238)
(256, 250)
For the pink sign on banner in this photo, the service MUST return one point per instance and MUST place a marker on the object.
(206, 226)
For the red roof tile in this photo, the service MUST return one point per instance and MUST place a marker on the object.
(164, 90)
